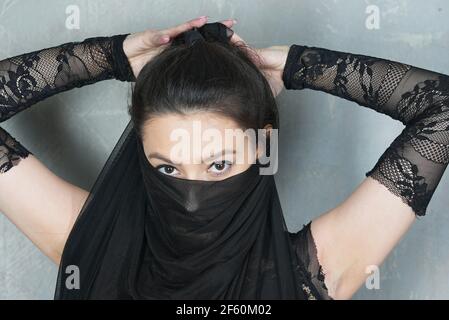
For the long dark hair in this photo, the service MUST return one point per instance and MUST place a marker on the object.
(206, 76)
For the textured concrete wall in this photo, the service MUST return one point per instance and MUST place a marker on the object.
(327, 143)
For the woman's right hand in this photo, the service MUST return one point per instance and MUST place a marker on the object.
(270, 60)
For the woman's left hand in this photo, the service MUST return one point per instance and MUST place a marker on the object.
(141, 47)
(270, 61)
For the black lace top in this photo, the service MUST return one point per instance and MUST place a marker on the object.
(411, 167)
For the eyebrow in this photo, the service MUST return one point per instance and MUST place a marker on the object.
(162, 157)
(158, 156)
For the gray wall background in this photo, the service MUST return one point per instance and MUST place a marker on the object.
(327, 143)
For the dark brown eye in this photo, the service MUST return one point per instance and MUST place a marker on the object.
(219, 166)
(169, 169)
(166, 169)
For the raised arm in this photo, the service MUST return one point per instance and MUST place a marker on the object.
(42, 205)
(415, 161)
(29, 78)
(364, 228)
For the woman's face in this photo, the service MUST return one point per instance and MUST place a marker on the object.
(199, 146)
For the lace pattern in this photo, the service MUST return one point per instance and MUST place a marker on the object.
(414, 163)
(29, 78)
(306, 252)
(11, 151)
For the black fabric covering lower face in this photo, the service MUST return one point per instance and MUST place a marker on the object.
(145, 235)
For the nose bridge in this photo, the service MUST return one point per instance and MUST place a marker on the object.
(191, 201)
(193, 193)
(193, 171)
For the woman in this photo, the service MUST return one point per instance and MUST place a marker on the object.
(153, 228)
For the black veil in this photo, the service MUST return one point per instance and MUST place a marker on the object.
(145, 235)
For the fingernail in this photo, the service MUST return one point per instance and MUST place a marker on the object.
(234, 21)
(202, 17)
(164, 38)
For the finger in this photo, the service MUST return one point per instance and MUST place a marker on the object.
(229, 22)
(195, 23)
(163, 39)
(159, 38)
(236, 38)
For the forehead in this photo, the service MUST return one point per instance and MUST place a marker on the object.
(159, 128)
(197, 138)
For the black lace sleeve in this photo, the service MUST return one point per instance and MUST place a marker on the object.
(414, 163)
(29, 78)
